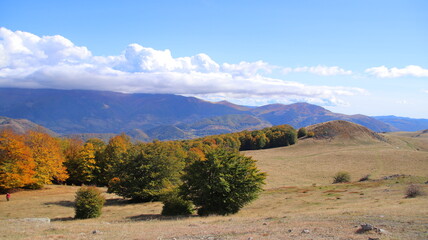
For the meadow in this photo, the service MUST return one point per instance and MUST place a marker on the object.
(299, 201)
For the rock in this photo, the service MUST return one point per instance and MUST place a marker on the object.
(380, 230)
(96, 232)
(37, 220)
(305, 231)
(264, 223)
(366, 227)
(370, 238)
(289, 230)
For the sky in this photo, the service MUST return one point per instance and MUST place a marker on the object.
(354, 57)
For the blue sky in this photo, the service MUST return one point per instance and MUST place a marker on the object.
(365, 56)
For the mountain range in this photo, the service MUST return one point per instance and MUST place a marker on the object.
(162, 116)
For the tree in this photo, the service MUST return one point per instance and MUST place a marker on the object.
(88, 203)
(223, 183)
(48, 157)
(17, 166)
(113, 157)
(151, 170)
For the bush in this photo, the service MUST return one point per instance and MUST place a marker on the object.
(88, 203)
(341, 177)
(302, 132)
(365, 178)
(310, 134)
(223, 183)
(174, 205)
(413, 191)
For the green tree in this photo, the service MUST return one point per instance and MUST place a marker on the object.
(88, 203)
(223, 183)
(151, 170)
(114, 156)
(302, 132)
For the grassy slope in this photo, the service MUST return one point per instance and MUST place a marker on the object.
(290, 202)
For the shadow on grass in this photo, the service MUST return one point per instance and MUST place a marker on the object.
(150, 217)
(62, 219)
(61, 203)
(118, 202)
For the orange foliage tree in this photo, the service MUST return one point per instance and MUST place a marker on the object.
(17, 166)
(48, 157)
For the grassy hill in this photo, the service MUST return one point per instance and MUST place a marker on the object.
(298, 196)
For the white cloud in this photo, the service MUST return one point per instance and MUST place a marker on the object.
(411, 70)
(319, 70)
(30, 61)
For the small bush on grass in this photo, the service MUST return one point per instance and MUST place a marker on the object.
(302, 132)
(365, 178)
(174, 205)
(341, 177)
(88, 203)
(413, 191)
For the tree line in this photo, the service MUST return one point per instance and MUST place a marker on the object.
(139, 171)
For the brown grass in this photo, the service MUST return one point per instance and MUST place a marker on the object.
(298, 196)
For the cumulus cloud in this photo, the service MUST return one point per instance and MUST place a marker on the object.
(30, 61)
(411, 70)
(319, 70)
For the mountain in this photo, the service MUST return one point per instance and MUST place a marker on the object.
(145, 117)
(82, 111)
(404, 123)
(22, 125)
(304, 114)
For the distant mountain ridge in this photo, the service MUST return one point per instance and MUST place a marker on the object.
(157, 116)
(404, 123)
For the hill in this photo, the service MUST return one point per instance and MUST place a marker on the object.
(22, 125)
(343, 130)
(149, 116)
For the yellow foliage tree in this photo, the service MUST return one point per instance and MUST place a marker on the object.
(49, 158)
(17, 166)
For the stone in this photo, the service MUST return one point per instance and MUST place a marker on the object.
(37, 220)
(305, 231)
(96, 232)
(366, 227)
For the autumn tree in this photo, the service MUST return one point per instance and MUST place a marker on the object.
(17, 166)
(48, 157)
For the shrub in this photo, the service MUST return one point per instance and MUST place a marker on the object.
(174, 205)
(223, 183)
(365, 178)
(302, 132)
(341, 177)
(88, 203)
(413, 191)
(310, 134)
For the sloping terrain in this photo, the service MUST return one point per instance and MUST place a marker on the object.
(299, 201)
(22, 125)
(343, 130)
(303, 114)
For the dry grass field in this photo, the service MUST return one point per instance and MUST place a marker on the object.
(298, 196)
